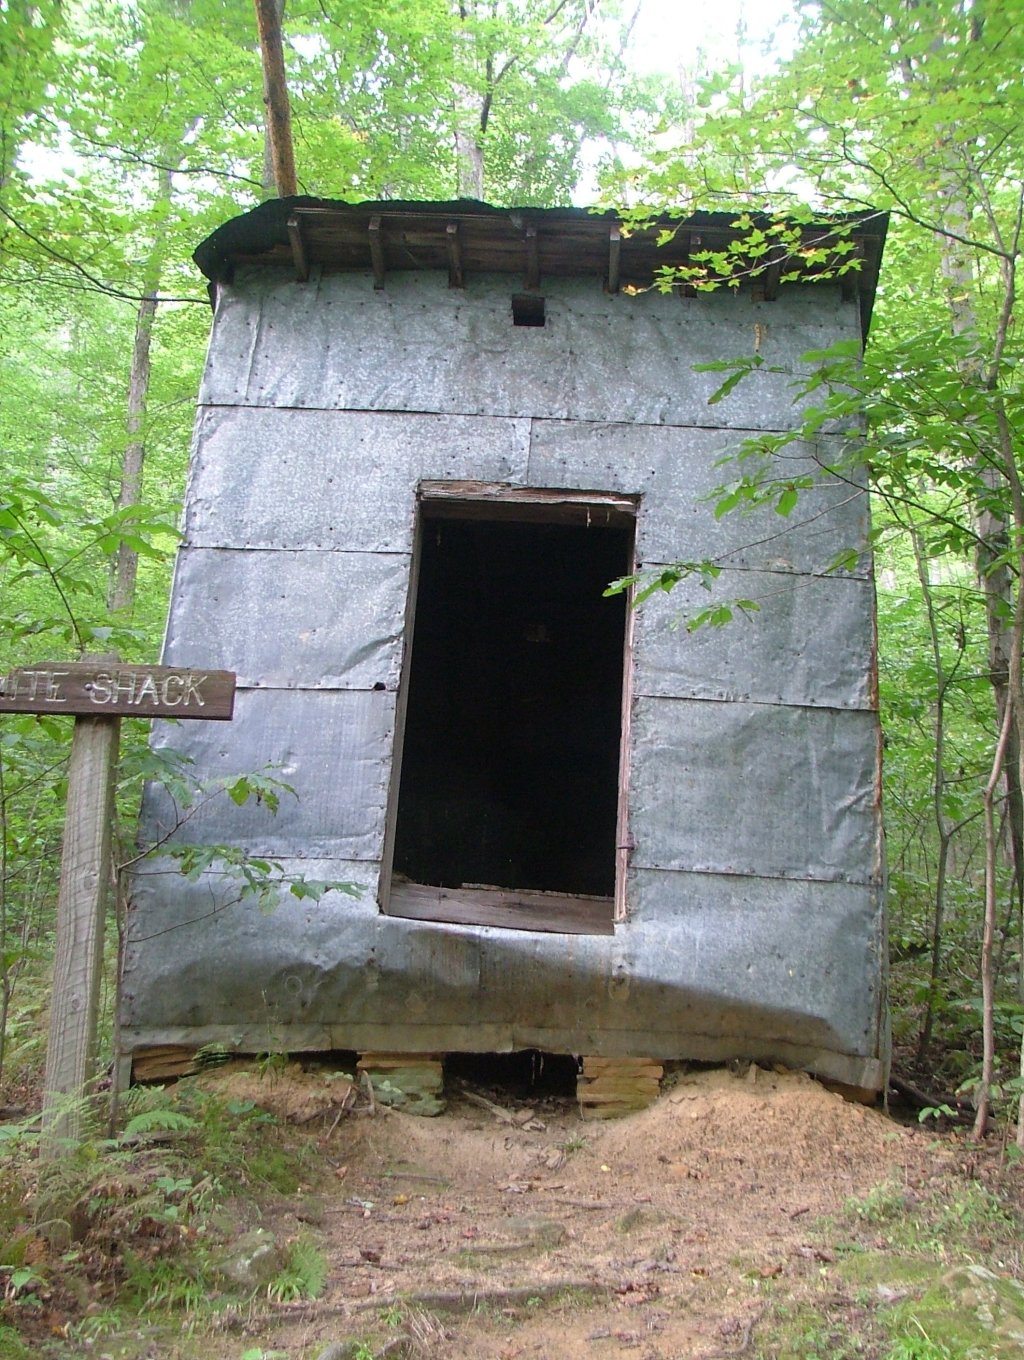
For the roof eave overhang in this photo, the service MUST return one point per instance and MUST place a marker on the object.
(465, 238)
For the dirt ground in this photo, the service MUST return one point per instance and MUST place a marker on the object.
(522, 1230)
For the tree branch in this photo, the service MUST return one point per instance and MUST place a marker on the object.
(97, 284)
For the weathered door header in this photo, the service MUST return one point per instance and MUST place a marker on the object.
(501, 500)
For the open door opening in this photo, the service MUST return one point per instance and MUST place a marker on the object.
(508, 797)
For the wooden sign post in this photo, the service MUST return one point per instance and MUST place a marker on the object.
(98, 694)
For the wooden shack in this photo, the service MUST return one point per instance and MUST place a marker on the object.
(428, 436)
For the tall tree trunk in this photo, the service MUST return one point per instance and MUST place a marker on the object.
(943, 828)
(999, 559)
(999, 583)
(121, 595)
(278, 152)
(1015, 693)
(988, 935)
(995, 579)
(470, 164)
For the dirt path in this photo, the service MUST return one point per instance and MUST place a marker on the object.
(545, 1236)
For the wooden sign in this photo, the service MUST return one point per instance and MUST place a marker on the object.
(98, 693)
(109, 689)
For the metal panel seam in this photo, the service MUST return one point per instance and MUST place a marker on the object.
(637, 862)
(739, 431)
(758, 703)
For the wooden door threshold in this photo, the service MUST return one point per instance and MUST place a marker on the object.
(554, 913)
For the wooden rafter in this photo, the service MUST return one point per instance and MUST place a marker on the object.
(338, 236)
(850, 282)
(532, 275)
(687, 241)
(773, 273)
(298, 249)
(455, 276)
(376, 251)
(614, 256)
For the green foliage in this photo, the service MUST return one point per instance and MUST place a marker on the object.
(162, 1119)
(935, 1112)
(147, 1219)
(54, 555)
(399, 99)
(881, 1205)
(303, 1276)
(909, 1255)
(176, 1284)
(647, 583)
(949, 1224)
(249, 879)
(12, 1347)
(920, 1346)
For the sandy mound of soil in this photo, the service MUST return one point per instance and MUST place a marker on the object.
(663, 1227)
(285, 1089)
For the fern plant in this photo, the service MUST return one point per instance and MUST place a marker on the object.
(160, 1120)
(303, 1277)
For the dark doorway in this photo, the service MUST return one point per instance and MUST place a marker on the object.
(509, 774)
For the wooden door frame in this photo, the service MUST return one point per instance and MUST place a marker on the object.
(561, 913)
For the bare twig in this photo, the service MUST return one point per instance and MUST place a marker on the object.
(466, 1300)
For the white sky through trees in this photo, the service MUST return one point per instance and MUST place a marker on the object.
(683, 34)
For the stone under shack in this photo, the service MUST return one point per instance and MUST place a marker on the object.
(428, 437)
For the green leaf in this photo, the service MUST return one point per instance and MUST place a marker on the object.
(741, 368)
(786, 503)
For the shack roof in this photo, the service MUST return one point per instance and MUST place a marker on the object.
(466, 237)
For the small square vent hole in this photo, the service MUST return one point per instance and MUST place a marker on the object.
(527, 309)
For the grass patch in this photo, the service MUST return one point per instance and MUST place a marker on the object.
(968, 1313)
(12, 1347)
(917, 1275)
(961, 1221)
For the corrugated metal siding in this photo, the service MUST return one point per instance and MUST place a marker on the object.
(418, 345)
(760, 789)
(676, 471)
(772, 656)
(330, 479)
(286, 619)
(716, 959)
(756, 913)
(332, 747)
